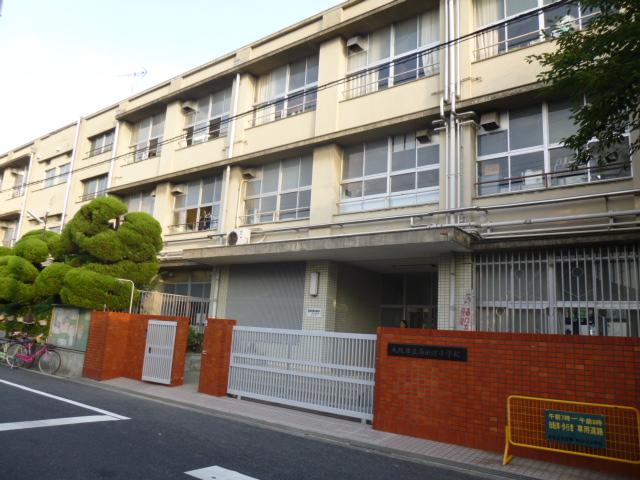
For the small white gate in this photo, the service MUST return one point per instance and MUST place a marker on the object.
(323, 371)
(158, 354)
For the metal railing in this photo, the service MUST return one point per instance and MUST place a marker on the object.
(92, 195)
(301, 213)
(391, 73)
(292, 104)
(558, 178)
(18, 191)
(202, 225)
(159, 303)
(324, 371)
(574, 291)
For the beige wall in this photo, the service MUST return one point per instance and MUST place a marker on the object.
(357, 300)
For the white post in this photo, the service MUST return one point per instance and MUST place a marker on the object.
(133, 289)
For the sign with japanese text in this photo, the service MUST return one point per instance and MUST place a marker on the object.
(432, 352)
(576, 428)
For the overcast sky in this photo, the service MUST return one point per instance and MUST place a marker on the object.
(60, 59)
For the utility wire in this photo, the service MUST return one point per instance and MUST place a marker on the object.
(399, 61)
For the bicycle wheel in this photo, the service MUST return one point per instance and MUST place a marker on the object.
(14, 350)
(49, 362)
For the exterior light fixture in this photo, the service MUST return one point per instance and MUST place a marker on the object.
(314, 284)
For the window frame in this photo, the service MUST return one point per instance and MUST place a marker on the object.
(281, 102)
(89, 193)
(200, 224)
(353, 76)
(549, 175)
(386, 200)
(262, 216)
(150, 146)
(138, 198)
(99, 143)
(60, 175)
(193, 130)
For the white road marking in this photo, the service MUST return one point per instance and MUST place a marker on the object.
(217, 473)
(66, 400)
(55, 422)
(105, 416)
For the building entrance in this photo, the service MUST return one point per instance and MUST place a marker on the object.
(409, 300)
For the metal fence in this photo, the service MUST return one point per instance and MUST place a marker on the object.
(573, 291)
(158, 303)
(324, 371)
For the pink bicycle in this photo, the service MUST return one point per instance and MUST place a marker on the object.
(48, 359)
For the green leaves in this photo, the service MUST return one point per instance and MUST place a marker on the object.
(602, 65)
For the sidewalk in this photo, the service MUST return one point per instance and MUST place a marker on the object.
(355, 434)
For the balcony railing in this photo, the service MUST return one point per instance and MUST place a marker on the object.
(301, 213)
(91, 195)
(396, 72)
(558, 178)
(18, 191)
(507, 38)
(202, 225)
(144, 151)
(292, 104)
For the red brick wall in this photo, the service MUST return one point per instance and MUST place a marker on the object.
(465, 402)
(216, 357)
(116, 344)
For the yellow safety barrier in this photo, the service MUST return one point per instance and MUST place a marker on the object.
(595, 430)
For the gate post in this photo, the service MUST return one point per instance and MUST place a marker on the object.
(216, 357)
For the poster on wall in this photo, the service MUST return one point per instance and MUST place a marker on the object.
(466, 312)
(69, 328)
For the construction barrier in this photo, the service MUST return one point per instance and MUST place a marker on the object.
(609, 432)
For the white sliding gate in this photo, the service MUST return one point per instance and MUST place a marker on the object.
(323, 371)
(158, 353)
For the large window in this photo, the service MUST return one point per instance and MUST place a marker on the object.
(288, 90)
(19, 182)
(193, 284)
(8, 232)
(395, 54)
(280, 191)
(391, 172)
(526, 152)
(140, 202)
(94, 187)
(197, 207)
(528, 29)
(148, 137)
(56, 175)
(102, 143)
(210, 119)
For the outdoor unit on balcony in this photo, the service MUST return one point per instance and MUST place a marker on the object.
(189, 106)
(239, 236)
(357, 44)
(17, 171)
(490, 121)
(177, 190)
(423, 136)
(249, 173)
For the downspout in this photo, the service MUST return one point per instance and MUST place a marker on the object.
(112, 164)
(232, 139)
(67, 191)
(452, 156)
(23, 212)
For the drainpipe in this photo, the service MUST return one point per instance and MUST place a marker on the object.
(67, 191)
(452, 292)
(23, 212)
(232, 140)
(451, 157)
(112, 164)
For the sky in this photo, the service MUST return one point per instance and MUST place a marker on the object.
(62, 59)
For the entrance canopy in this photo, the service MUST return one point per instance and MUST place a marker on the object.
(349, 248)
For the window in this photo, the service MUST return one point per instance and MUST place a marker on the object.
(102, 143)
(194, 284)
(94, 187)
(140, 202)
(55, 176)
(198, 206)
(210, 119)
(148, 137)
(394, 55)
(19, 185)
(286, 91)
(281, 191)
(392, 172)
(530, 29)
(9, 233)
(527, 152)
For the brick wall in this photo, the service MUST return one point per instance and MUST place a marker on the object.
(216, 357)
(116, 345)
(465, 402)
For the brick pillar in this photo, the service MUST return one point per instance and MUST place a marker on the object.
(216, 357)
(107, 345)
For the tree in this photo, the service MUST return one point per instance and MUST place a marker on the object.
(601, 64)
(103, 243)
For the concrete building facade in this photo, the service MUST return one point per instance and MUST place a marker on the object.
(378, 163)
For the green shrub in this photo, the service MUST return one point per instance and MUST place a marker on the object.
(32, 249)
(6, 251)
(84, 288)
(17, 268)
(50, 280)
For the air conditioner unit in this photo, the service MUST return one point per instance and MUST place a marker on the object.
(490, 121)
(16, 171)
(177, 189)
(239, 236)
(423, 136)
(357, 44)
(249, 173)
(189, 106)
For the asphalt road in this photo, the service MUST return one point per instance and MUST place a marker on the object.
(43, 437)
